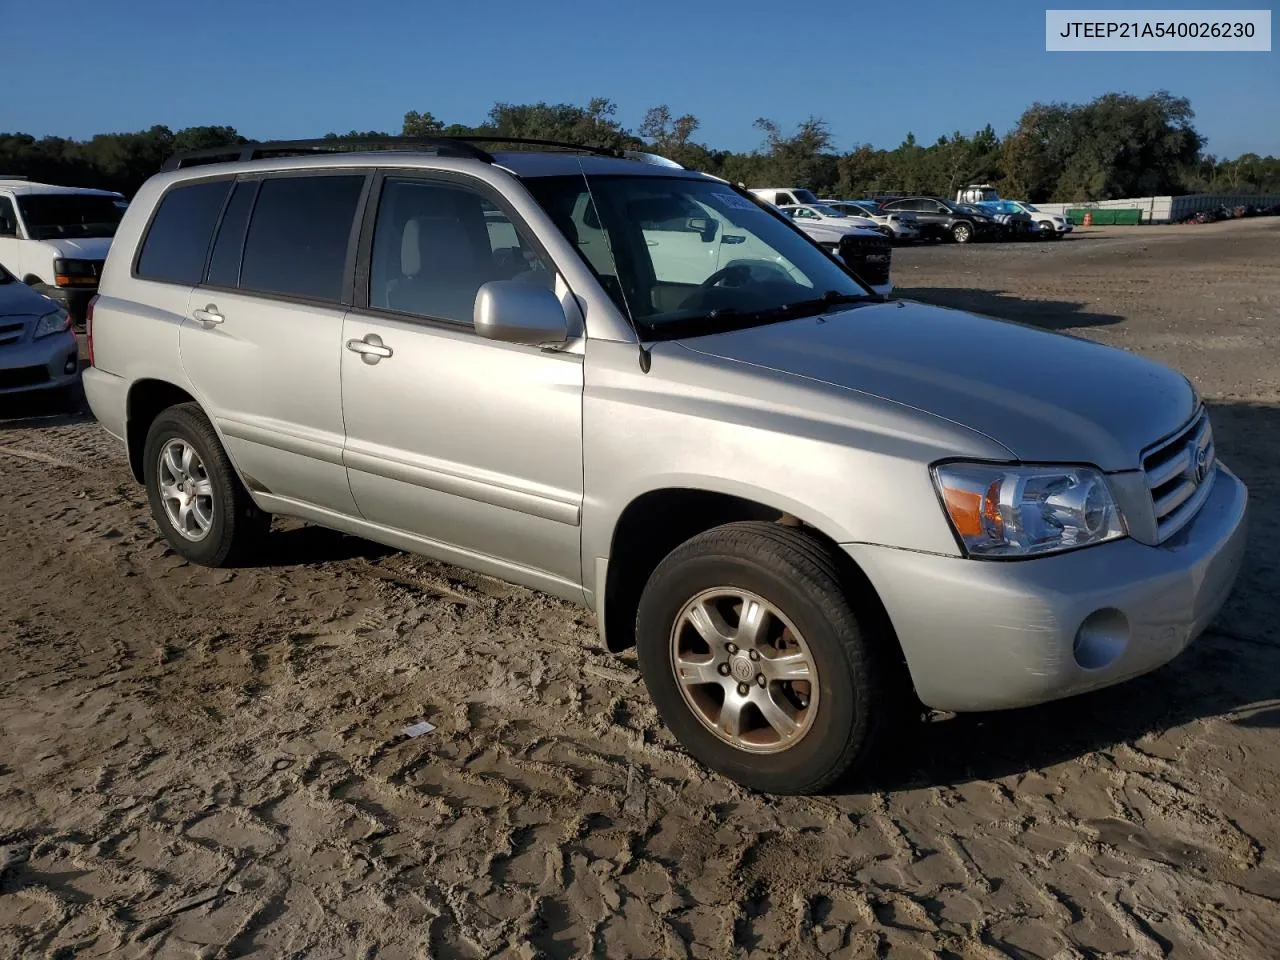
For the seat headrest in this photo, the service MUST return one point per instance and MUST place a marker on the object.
(438, 245)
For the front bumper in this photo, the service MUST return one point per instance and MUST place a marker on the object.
(44, 364)
(991, 635)
(75, 300)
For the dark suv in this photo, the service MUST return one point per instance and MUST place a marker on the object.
(943, 220)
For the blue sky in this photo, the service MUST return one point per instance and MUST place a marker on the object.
(286, 69)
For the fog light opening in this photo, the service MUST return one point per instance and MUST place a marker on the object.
(72, 364)
(1101, 639)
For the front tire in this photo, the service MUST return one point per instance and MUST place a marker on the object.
(197, 500)
(1048, 232)
(757, 662)
(962, 233)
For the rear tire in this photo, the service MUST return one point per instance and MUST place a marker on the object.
(731, 681)
(197, 499)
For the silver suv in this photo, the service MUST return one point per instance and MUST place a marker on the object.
(638, 388)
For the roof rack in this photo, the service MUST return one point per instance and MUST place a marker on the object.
(461, 146)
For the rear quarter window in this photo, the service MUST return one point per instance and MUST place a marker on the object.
(177, 241)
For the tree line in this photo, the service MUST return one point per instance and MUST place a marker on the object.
(1115, 146)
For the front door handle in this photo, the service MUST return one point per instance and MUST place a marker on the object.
(371, 348)
(208, 315)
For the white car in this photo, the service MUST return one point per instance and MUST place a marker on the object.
(899, 225)
(1050, 226)
(55, 239)
(858, 241)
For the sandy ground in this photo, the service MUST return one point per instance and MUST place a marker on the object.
(203, 763)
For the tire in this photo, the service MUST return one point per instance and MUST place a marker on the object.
(962, 232)
(235, 526)
(849, 708)
(1048, 232)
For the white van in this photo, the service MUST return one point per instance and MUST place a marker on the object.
(55, 239)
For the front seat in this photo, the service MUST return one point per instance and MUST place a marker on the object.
(440, 271)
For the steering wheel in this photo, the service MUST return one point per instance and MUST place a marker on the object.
(739, 271)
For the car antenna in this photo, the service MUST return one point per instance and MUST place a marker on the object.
(646, 358)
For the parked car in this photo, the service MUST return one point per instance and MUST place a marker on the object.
(856, 240)
(1050, 226)
(56, 238)
(38, 350)
(986, 197)
(784, 196)
(943, 220)
(902, 227)
(1014, 224)
(812, 510)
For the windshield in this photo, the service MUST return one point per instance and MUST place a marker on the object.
(1028, 207)
(826, 211)
(805, 196)
(684, 257)
(54, 216)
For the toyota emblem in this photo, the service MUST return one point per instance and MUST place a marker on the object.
(1202, 465)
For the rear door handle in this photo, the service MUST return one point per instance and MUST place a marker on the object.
(371, 348)
(209, 315)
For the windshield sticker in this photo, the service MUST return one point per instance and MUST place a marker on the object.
(733, 201)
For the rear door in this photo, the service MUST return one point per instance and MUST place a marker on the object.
(263, 335)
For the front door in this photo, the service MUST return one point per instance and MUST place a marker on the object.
(472, 447)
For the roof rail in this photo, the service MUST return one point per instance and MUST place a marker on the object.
(234, 152)
(460, 146)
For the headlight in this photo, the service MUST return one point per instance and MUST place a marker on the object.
(1009, 512)
(52, 323)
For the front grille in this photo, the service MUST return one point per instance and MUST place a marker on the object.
(868, 257)
(1180, 474)
(10, 333)
(23, 377)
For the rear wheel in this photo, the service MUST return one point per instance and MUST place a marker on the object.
(757, 661)
(962, 232)
(196, 498)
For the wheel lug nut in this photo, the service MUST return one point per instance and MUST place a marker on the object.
(761, 680)
(724, 669)
(743, 689)
(754, 654)
(732, 648)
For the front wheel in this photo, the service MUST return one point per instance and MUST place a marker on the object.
(196, 498)
(962, 233)
(757, 662)
(1048, 232)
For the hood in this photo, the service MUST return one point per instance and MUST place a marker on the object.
(81, 248)
(1044, 396)
(19, 300)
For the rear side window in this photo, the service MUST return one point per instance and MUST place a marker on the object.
(178, 241)
(224, 264)
(299, 234)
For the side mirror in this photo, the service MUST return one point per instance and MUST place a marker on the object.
(704, 227)
(514, 311)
